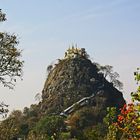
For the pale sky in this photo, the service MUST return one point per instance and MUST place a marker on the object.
(108, 29)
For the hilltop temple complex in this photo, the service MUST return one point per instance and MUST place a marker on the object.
(75, 52)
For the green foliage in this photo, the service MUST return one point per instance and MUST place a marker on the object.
(96, 132)
(82, 119)
(10, 63)
(111, 116)
(84, 125)
(127, 125)
(50, 125)
(10, 128)
(86, 118)
(136, 95)
(38, 136)
(64, 136)
(109, 120)
(24, 129)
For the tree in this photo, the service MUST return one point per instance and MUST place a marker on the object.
(107, 70)
(3, 109)
(128, 121)
(50, 125)
(129, 118)
(136, 95)
(10, 63)
(2, 16)
(109, 121)
(10, 127)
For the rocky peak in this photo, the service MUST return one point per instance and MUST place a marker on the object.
(74, 78)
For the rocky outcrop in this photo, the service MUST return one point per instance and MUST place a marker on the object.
(74, 78)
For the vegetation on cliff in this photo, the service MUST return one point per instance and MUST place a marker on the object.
(75, 98)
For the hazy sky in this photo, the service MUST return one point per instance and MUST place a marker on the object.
(108, 29)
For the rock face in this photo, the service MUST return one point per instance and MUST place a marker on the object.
(73, 79)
